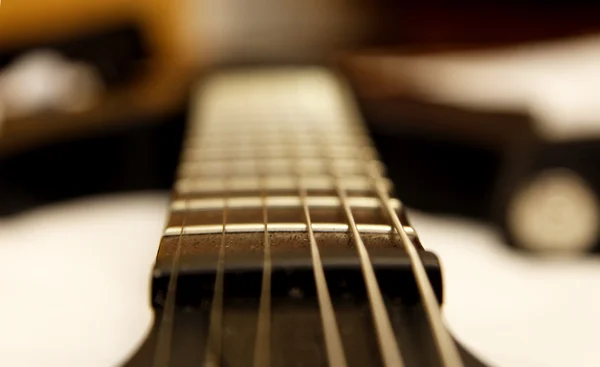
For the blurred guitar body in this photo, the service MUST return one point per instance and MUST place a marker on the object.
(147, 54)
(84, 88)
(134, 145)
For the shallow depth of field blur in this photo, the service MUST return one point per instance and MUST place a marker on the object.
(487, 116)
(485, 94)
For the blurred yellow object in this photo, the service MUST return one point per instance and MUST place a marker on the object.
(143, 50)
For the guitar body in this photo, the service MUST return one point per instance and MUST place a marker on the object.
(184, 333)
(282, 246)
(296, 336)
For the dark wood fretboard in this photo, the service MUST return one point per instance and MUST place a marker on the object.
(283, 244)
(255, 142)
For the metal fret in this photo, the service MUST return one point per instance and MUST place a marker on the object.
(283, 227)
(245, 159)
(278, 202)
(261, 127)
(250, 147)
(346, 146)
(274, 150)
(274, 166)
(272, 183)
(259, 138)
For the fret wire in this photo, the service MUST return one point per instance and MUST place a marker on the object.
(162, 354)
(215, 170)
(223, 126)
(285, 227)
(448, 351)
(333, 340)
(250, 202)
(215, 336)
(262, 348)
(224, 134)
(303, 139)
(310, 163)
(280, 182)
(237, 146)
(190, 154)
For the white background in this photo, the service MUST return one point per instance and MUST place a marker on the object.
(74, 281)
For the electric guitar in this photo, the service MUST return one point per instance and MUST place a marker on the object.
(284, 245)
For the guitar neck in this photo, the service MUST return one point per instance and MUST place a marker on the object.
(260, 143)
(261, 148)
(282, 221)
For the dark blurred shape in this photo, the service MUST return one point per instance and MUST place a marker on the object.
(496, 162)
(127, 136)
(141, 157)
(457, 23)
(268, 31)
(147, 53)
(117, 67)
(443, 157)
(141, 52)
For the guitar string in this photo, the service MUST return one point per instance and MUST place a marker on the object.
(448, 351)
(449, 354)
(163, 350)
(215, 336)
(389, 350)
(162, 354)
(262, 347)
(333, 341)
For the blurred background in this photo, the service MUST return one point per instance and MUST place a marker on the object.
(487, 115)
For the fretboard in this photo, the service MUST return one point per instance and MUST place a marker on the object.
(259, 141)
(280, 196)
